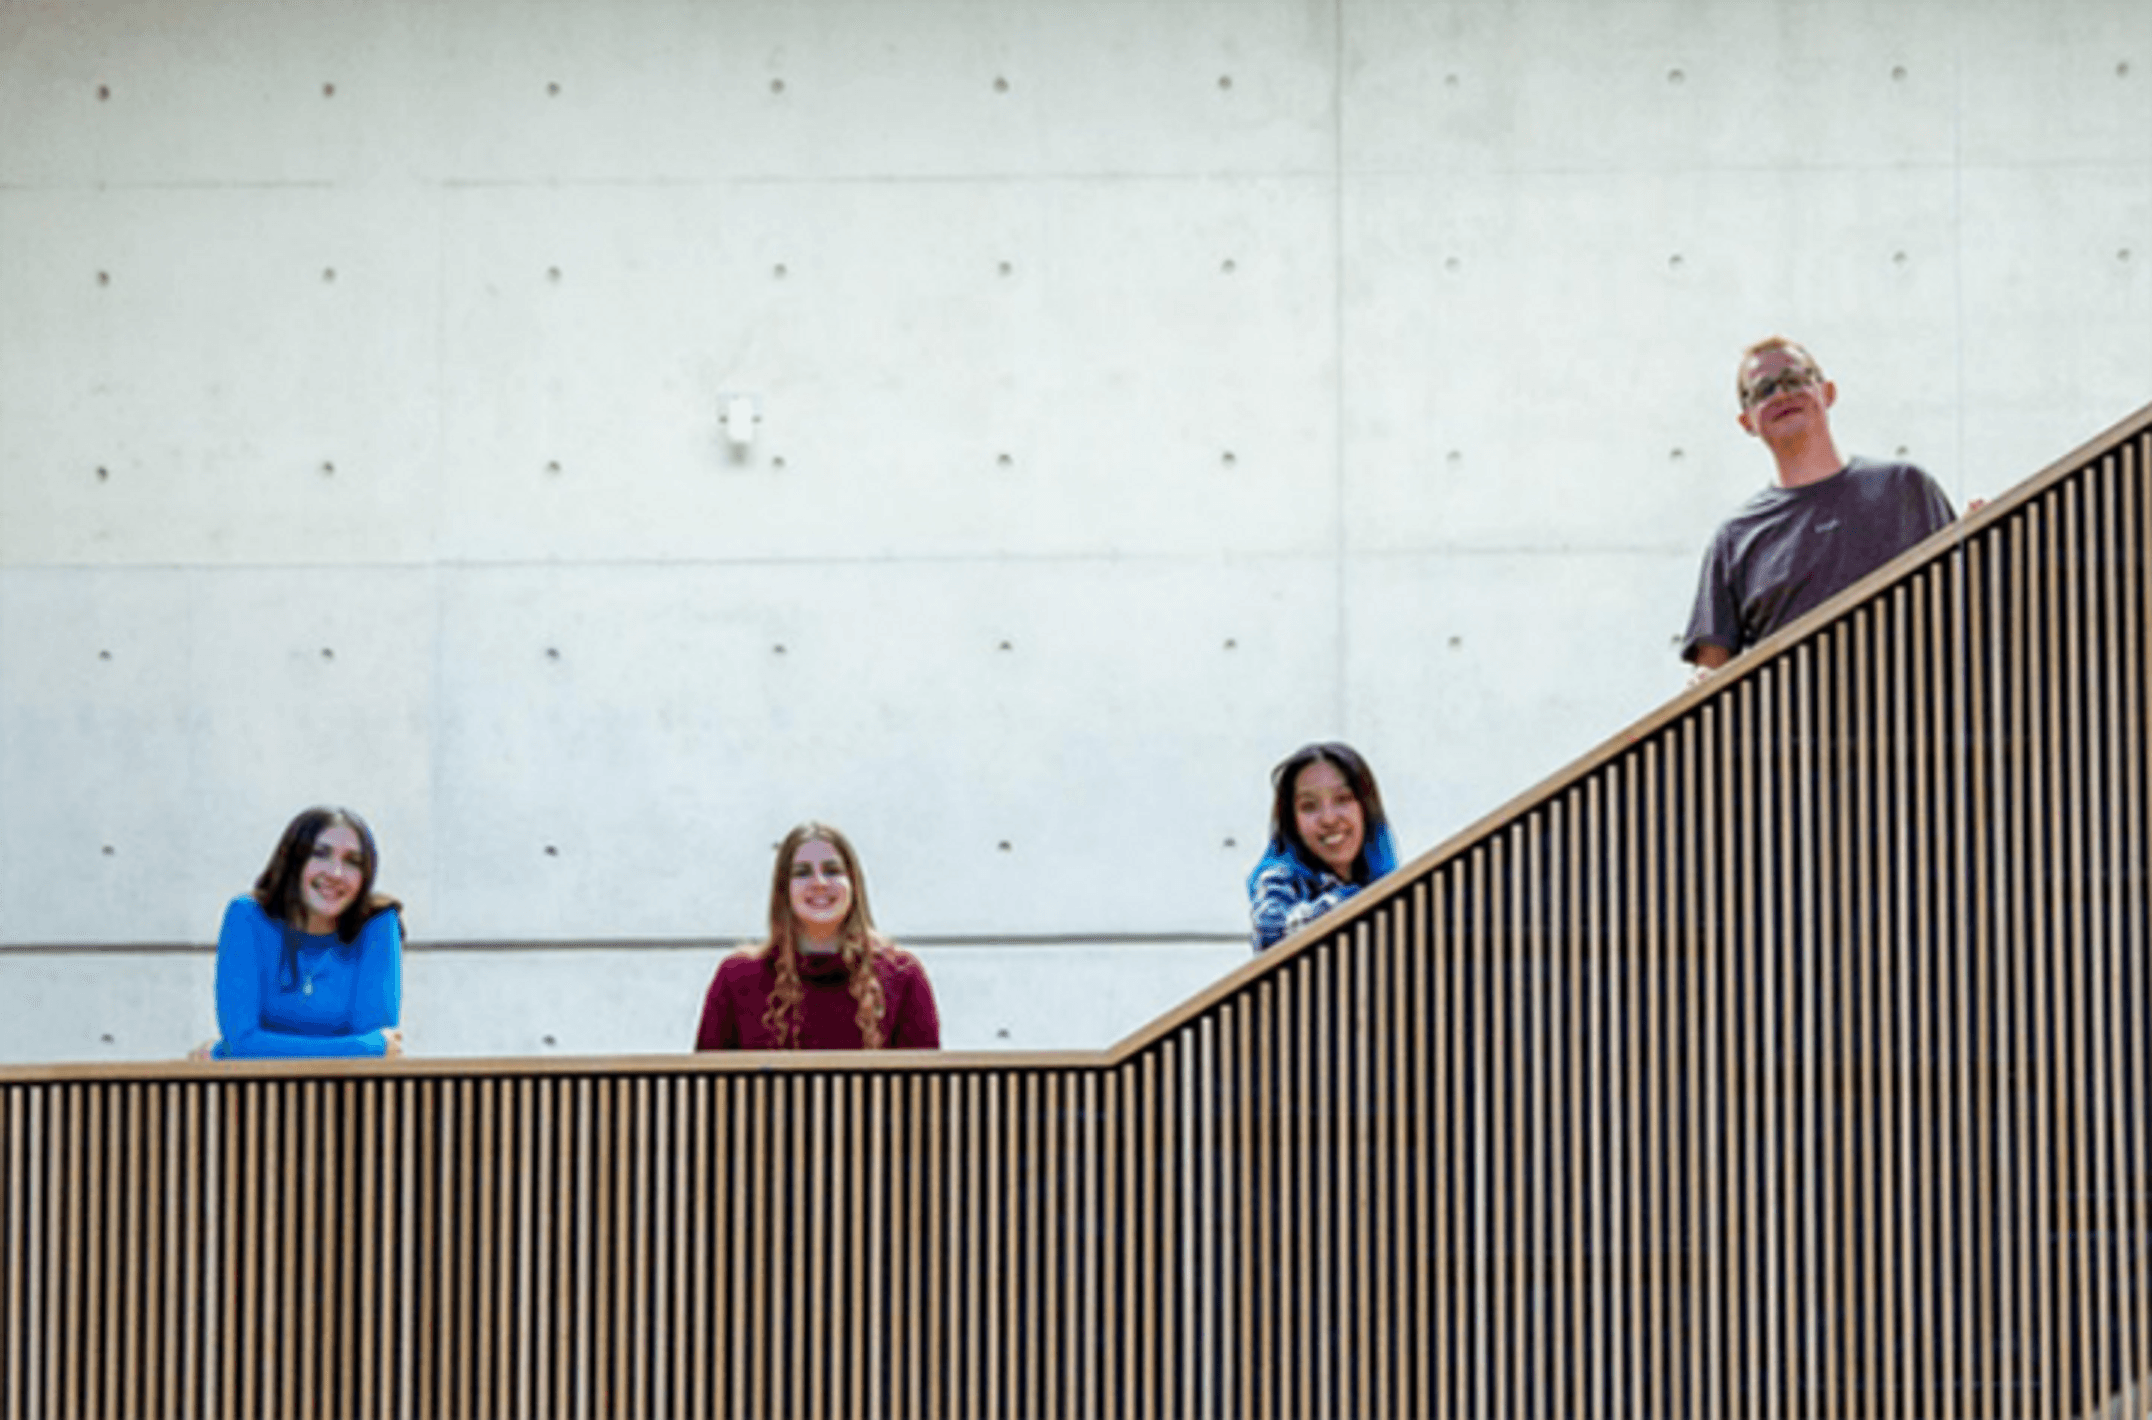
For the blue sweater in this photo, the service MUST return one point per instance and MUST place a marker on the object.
(344, 996)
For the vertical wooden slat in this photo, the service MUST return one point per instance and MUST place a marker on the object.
(121, 1270)
(582, 1135)
(359, 1240)
(2014, 1028)
(1081, 1347)
(704, 1338)
(539, 1367)
(455, 1166)
(2047, 1141)
(1643, 829)
(335, 1105)
(1955, 954)
(870, 1387)
(2133, 731)
(1317, 1172)
(1299, 1170)
(777, 1177)
(938, 1281)
(1746, 1364)
(672, 1232)
(1488, 1139)
(1268, 1258)
(751, 1127)
(1143, 1157)
(241, 1296)
(912, 1267)
(314, 1260)
(1430, 1033)
(154, 1389)
(16, 1321)
(1381, 1227)
(1533, 968)
(977, 1368)
(85, 1197)
(514, 1302)
(2107, 982)
(1688, 874)
(47, 1203)
(1029, 1168)
(810, 1191)
(2067, 1225)
(1985, 1082)
(431, 1265)
(627, 1251)
(854, 1220)
(1582, 923)
(1715, 1156)
(1602, 1332)
(1130, 1270)
(1812, 1301)
(1631, 1026)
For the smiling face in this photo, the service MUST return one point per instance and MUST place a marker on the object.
(330, 880)
(820, 890)
(1328, 817)
(1782, 392)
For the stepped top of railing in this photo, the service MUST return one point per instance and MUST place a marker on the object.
(1935, 549)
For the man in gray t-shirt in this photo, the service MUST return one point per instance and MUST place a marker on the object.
(1825, 524)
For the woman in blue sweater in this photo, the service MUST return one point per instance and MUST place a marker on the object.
(1328, 839)
(311, 962)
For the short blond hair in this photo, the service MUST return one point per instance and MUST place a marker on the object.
(1768, 343)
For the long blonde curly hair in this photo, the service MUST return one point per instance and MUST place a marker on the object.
(857, 944)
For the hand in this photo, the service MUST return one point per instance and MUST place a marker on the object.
(205, 1051)
(1975, 506)
(392, 1041)
(1710, 655)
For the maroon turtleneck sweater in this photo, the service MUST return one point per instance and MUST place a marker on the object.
(740, 993)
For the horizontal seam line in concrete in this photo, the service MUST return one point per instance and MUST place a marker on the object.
(726, 943)
(966, 559)
(1434, 171)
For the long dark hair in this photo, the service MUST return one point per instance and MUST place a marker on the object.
(277, 889)
(1285, 825)
(857, 943)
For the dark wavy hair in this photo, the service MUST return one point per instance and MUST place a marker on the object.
(277, 889)
(1359, 778)
(857, 943)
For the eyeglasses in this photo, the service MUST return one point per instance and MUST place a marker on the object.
(1793, 377)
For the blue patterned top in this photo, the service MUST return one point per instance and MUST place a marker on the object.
(1286, 892)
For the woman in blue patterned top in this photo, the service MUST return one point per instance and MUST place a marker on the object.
(1328, 839)
(311, 962)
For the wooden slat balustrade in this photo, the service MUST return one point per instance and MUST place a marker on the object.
(1786, 1056)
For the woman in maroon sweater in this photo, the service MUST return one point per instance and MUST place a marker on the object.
(825, 980)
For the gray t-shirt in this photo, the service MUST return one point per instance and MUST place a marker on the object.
(1788, 550)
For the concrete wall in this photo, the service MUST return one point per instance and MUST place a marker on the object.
(1144, 389)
